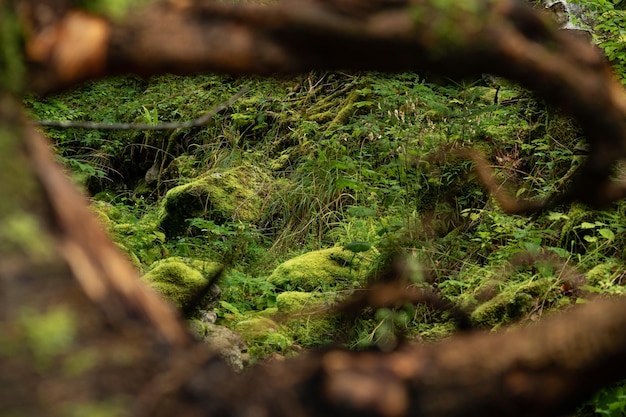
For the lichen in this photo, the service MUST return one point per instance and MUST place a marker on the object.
(322, 269)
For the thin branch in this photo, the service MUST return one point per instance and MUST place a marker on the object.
(200, 121)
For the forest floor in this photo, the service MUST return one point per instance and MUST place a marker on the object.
(305, 190)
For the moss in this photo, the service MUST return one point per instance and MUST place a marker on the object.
(601, 274)
(208, 268)
(256, 325)
(306, 322)
(48, 334)
(263, 336)
(23, 232)
(437, 331)
(291, 302)
(176, 281)
(219, 196)
(345, 112)
(268, 312)
(513, 303)
(326, 268)
(12, 68)
(606, 277)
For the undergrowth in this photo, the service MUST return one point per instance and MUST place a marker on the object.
(360, 161)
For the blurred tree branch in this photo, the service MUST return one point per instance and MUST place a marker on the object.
(122, 351)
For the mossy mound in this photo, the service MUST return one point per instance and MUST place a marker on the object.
(309, 322)
(208, 268)
(219, 196)
(604, 277)
(335, 268)
(296, 302)
(263, 335)
(177, 281)
(511, 304)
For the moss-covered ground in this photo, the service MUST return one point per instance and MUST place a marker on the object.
(304, 187)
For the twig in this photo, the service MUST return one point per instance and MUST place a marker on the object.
(200, 121)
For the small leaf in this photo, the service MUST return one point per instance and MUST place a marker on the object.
(357, 247)
(553, 216)
(347, 183)
(607, 234)
(359, 211)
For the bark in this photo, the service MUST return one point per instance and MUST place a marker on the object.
(117, 349)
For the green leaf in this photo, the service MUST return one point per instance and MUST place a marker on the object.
(607, 233)
(229, 307)
(359, 211)
(357, 247)
(554, 216)
(347, 183)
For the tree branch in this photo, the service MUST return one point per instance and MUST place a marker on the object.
(132, 337)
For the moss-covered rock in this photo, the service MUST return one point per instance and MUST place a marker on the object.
(513, 303)
(263, 335)
(219, 196)
(229, 344)
(208, 268)
(308, 319)
(179, 282)
(606, 277)
(293, 302)
(335, 268)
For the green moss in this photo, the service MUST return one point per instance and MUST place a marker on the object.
(437, 331)
(176, 281)
(220, 196)
(255, 325)
(208, 268)
(345, 112)
(263, 336)
(326, 268)
(12, 67)
(291, 302)
(604, 277)
(308, 323)
(513, 303)
(23, 232)
(601, 274)
(48, 334)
